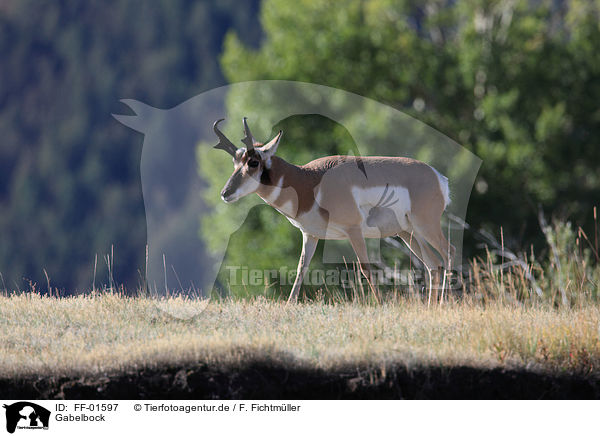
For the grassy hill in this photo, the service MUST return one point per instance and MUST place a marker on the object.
(107, 345)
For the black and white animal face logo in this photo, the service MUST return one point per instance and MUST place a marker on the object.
(26, 415)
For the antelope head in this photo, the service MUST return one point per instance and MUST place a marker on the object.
(249, 162)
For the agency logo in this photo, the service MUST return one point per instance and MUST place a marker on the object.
(26, 415)
(190, 232)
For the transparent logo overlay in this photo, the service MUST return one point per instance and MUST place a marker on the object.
(181, 189)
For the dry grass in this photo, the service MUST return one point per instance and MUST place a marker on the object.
(108, 332)
(514, 311)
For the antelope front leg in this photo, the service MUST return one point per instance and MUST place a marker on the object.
(309, 245)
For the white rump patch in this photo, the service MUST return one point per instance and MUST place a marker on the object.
(443, 180)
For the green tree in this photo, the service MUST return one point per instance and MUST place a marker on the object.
(514, 82)
(69, 173)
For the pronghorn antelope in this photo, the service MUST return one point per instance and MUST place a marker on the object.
(344, 197)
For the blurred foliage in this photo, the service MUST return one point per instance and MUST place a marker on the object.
(517, 83)
(69, 173)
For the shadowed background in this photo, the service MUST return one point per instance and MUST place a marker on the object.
(517, 83)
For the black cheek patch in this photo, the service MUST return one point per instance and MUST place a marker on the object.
(265, 177)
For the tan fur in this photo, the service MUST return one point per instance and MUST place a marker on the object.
(302, 180)
(329, 198)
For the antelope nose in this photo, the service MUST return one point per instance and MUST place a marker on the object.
(225, 193)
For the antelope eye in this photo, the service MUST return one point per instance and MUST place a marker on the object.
(253, 163)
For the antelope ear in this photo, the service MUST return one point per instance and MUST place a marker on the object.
(270, 147)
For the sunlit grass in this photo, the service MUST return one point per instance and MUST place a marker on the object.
(511, 311)
(108, 332)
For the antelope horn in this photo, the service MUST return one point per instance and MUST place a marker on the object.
(224, 143)
(248, 139)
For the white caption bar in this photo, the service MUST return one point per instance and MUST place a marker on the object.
(297, 417)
